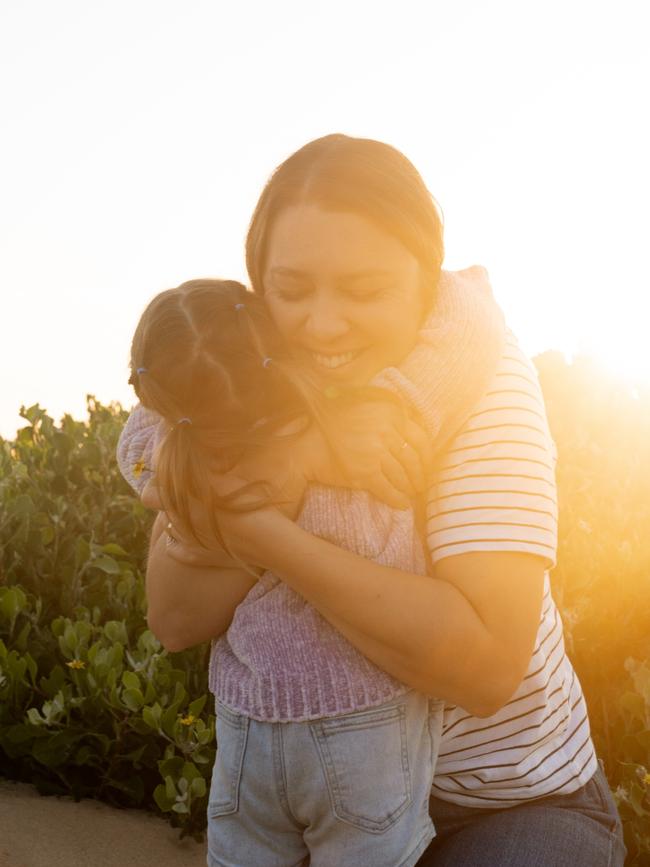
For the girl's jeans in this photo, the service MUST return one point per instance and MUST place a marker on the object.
(577, 830)
(344, 791)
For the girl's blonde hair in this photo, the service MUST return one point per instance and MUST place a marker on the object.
(206, 357)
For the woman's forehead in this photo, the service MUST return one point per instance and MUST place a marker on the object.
(306, 237)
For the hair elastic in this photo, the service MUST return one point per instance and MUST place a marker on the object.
(184, 420)
(240, 306)
(141, 370)
(267, 361)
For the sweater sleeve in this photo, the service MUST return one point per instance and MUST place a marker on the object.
(135, 449)
(455, 357)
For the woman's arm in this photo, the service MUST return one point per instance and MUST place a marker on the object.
(465, 635)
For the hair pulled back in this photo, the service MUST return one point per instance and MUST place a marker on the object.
(206, 357)
(358, 175)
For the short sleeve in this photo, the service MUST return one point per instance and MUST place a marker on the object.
(495, 487)
(136, 446)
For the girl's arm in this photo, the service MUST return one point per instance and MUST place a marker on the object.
(189, 604)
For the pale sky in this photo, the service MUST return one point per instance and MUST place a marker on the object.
(136, 137)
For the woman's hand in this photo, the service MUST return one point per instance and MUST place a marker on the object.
(241, 530)
(376, 447)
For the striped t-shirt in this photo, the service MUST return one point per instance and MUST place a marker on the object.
(496, 492)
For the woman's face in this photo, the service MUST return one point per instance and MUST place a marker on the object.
(347, 296)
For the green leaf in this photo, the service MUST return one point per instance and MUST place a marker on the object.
(131, 680)
(12, 602)
(197, 706)
(133, 699)
(108, 565)
(198, 788)
(165, 803)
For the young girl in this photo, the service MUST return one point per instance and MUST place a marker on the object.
(321, 753)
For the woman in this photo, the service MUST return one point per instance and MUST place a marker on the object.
(517, 780)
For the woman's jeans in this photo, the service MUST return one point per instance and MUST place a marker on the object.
(577, 830)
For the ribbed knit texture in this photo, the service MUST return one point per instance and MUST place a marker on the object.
(280, 659)
(456, 354)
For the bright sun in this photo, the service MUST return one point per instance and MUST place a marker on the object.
(623, 351)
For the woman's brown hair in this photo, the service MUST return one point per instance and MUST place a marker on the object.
(366, 177)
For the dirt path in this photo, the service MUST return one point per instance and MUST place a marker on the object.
(58, 832)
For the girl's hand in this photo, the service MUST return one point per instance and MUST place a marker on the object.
(377, 448)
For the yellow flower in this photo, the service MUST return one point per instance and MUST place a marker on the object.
(188, 720)
(138, 469)
(76, 663)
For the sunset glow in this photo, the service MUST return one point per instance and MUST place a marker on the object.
(140, 135)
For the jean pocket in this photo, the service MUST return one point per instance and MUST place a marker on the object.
(232, 733)
(364, 756)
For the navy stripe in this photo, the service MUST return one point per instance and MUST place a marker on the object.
(496, 458)
(435, 514)
(519, 376)
(514, 764)
(523, 391)
(484, 524)
(497, 476)
(509, 719)
(482, 445)
(498, 491)
(531, 785)
(473, 430)
(507, 737)
(508, 409)
(492, 751)
(482, 541)
(518, 360)
(550, 653)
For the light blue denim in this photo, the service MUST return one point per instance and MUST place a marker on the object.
(347, 790)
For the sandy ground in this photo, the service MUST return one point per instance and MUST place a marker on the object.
(40, 831)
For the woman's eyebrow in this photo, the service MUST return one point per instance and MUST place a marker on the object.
(374, 273)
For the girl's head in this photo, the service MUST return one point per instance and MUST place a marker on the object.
(346, 246)
(207, 358)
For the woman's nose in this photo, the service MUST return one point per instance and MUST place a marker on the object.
(325, 321)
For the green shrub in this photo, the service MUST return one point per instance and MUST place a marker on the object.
(90, 703)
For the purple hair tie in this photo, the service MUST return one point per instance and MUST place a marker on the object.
(184, 420)
(240, 306)
(141, 370)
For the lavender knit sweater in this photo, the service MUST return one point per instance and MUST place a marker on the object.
(280, 659)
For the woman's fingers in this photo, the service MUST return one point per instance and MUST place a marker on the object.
(397, 477)
(420, 441)
(410, 462)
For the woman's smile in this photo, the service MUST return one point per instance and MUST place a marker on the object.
(334, 361)
(346, 295)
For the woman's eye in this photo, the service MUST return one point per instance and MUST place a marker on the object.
(373, 295)
(291, 294)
